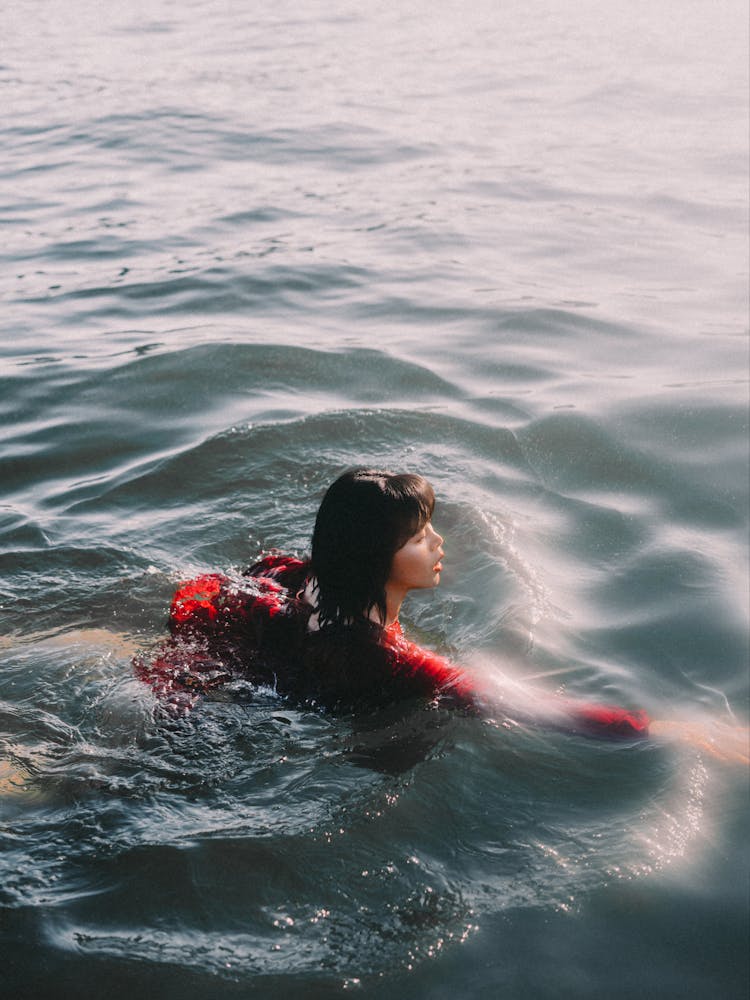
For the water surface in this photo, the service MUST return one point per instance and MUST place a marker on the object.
(244, 249)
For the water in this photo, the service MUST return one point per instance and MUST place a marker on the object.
(504, 246)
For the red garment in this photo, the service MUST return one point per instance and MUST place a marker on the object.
(256, 626)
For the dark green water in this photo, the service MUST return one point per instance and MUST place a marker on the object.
(505, 247)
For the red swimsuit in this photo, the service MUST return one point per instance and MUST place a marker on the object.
(255, 625)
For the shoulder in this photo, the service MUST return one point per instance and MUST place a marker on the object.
(290, 571)
(387, 665)
(428, 671)
(197, 599)
(217, 602)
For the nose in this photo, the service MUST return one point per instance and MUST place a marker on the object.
(437, 541)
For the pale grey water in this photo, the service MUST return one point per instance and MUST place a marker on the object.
(246, 246)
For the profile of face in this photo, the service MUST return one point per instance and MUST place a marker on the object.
(417, 564)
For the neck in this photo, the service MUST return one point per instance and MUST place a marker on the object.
(394, 597)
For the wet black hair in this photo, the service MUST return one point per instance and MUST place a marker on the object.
(365, 517)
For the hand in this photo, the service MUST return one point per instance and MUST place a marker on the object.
(722, 740)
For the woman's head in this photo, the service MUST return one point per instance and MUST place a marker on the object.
(365, 517)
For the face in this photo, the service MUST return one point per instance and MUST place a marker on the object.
(417, 564)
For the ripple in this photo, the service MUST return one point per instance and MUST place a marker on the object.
(248, 250)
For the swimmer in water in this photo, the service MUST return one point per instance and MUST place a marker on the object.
(325, 631)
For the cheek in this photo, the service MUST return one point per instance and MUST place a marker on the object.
(410, 566)
(403, 565)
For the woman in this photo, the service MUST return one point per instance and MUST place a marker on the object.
(325, 631)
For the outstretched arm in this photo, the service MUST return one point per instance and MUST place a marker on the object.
(531, 705)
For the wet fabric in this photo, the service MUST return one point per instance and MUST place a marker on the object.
(256, 625)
